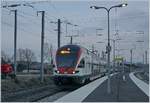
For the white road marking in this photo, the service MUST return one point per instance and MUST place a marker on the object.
(142, 85)
(80, 94)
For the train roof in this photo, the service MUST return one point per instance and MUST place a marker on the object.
(75, 47)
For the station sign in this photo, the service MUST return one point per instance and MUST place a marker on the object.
(119, 59)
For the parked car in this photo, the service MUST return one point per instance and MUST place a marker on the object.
(7, 70)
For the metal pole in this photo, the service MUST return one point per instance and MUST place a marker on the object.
(59, 24)
(145, 57)
(66, 29)
(92, 57)
(131, 59)
(42, 45)
(71, 39)
(72, 29)
(108, 47)
(114, 53)
(108, 83)
(15, 42)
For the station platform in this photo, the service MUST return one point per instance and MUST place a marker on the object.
(122, 90)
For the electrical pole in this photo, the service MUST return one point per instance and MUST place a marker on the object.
(59, 24)
(42, 44)
(131, 59)
(15, 40)
(71, 38)
(145, 57)
(58, 30)
(66, 28)
(114, 53)
(92, 57)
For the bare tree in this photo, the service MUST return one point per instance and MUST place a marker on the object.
(25, 56)
(29, 56)
(21, 55)
(5, 57)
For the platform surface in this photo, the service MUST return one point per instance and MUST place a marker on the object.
(121, 91)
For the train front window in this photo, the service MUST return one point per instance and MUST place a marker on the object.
(66, 60)
(67, 56)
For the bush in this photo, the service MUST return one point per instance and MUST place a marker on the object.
(21, 67)
(3, 76)
(13, 76)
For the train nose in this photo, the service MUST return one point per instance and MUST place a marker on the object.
(66, 70)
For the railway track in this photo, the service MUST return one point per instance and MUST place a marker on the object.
(29, 95)
(35, 94)
(63, 91)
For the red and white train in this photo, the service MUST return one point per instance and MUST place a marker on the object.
(77, 64)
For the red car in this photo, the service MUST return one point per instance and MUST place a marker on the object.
(6, 69)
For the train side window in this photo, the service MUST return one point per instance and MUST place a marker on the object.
(82, 63)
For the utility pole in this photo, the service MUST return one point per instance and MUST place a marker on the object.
(114, 53)
(58, 30)
(15, 40)
(143, 59)
(92, 57)
(71, 38)
(66, 29)
(146, 57)
(59, 24)
(42, 44)
(131, 59)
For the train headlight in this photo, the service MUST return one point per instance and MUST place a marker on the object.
(58, 72)
(73, 72)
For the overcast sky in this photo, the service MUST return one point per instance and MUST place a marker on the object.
(127, 20)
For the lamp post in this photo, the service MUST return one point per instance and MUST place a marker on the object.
(108, 46)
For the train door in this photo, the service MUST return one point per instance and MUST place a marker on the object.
(81, 66)
(87, 65)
